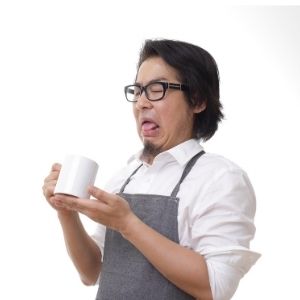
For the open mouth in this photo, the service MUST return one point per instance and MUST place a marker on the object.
(149, 128)
(148, 125)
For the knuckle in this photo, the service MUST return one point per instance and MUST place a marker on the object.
(48, 191)
(56, 167)
(98, 193)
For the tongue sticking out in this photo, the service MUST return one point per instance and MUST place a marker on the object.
(149, 126)
(149, 129)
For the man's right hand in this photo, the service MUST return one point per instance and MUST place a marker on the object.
(48, 190)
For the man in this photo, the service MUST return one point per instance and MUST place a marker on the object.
(176, 223)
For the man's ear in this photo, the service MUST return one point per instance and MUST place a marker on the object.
(200, 107)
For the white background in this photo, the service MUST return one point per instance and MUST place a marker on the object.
(63, 65)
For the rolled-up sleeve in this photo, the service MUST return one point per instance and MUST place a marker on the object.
(222, 228)
(99, 236)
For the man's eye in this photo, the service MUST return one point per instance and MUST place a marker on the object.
(156, 88)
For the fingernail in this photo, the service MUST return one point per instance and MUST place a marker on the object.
(91, 188)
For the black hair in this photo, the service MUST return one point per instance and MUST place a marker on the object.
(198, 70)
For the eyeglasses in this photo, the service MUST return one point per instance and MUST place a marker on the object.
(154, 91)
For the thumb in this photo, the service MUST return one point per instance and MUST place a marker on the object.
(99, 194)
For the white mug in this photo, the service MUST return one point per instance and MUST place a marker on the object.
(76, 174)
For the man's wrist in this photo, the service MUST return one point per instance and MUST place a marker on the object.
(130, 227)
(67, 214)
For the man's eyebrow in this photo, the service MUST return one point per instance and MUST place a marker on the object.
(153, 80)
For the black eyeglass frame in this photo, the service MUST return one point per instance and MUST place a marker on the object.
(164, 84)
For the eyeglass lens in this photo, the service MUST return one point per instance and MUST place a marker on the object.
(154, 91)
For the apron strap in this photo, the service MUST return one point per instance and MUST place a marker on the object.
(186, 171)
(129, 178)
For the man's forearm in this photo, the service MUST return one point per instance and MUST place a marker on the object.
(183, 267)
(83, 251)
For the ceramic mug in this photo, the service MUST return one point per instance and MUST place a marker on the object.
(76, 174)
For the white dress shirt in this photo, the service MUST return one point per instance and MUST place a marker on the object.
(215, 213)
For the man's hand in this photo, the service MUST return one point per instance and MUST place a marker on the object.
(108, 209)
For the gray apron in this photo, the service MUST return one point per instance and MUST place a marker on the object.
(126, 274)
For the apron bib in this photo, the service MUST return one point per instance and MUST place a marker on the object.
(126, 274)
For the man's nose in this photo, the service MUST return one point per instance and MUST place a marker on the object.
(143, 102)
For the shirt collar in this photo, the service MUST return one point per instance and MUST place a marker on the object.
(182, 153)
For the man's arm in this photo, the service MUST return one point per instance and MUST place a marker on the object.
(183, 267)
(82, 249)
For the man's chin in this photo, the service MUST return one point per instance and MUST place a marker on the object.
(150, 150)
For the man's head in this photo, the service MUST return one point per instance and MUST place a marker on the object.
(188, 109)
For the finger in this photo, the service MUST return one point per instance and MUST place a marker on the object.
(55, 204)
(95, 210)
(100, 194)
(48, 191)
(56, 167)
(73, 203)
(48, 187)
(49, 183)
(52, 176)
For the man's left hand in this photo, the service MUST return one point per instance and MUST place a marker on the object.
(108, 209)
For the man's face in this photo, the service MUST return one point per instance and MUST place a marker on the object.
(162, 124)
